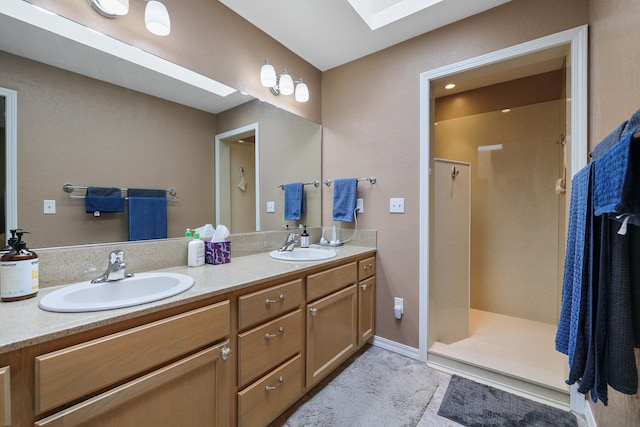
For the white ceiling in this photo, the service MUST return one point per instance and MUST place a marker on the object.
(329, 33)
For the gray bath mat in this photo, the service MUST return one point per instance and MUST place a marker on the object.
(477, 405)
(378, 388)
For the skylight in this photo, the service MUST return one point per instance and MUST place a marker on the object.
(378, 13)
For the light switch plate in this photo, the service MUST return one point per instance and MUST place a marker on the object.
(49, 207)
(396, 205)
(271, 207)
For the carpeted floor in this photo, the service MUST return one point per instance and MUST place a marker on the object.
(377, 388)
(477, 405)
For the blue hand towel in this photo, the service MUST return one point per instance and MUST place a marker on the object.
(617, 179)
(147, 218)
(146, 192)
(103, 199)
(575, 262)
(294, 200)
(345, 193)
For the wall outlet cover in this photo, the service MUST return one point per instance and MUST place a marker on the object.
(271, 207)
(360, 205)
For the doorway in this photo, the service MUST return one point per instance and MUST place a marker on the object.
(571, 45)
(237, 179)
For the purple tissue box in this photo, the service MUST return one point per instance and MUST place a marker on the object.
(217, 252)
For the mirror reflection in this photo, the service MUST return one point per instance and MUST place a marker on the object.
(74, 129)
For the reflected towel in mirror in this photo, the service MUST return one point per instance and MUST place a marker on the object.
(147, 218)
(104, 199)
(294, 200)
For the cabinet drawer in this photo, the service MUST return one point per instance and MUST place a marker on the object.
(268, 303)
(76, 371)
(263, 348)
(321, 284)
(5, 396)
(261, 402)
(366, 268)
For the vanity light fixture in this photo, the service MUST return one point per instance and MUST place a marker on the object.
(283, 84)
(156, 16)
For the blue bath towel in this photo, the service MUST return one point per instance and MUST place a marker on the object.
(294, 201)
(345, 193)
(147, 218)
(146, 192)
(617, 180)
(575, 264)
(103, 199)
(625, 129)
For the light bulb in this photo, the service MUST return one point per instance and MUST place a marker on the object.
(286, 83)
(302, 91)
(268, 75)
(114, 7)
(156, 18)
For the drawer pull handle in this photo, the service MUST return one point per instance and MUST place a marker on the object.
(274, 301)
(363, 287)
(368, 267)
(225, 353)
(268, 336)
(273, 387)
(313, 311)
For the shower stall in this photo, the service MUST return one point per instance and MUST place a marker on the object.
(498, 221)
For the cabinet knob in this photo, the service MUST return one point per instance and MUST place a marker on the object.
(274, 301)
(313, 311)
(225, 353)
(273, 387)
(268, 336)
(363, 286)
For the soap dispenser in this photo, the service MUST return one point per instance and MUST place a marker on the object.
(304, 238)
(18, 271)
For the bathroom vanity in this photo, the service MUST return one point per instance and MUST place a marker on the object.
(246, 342)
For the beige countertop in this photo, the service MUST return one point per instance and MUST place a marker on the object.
(23, 323)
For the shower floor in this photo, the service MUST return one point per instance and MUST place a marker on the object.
(516, 347)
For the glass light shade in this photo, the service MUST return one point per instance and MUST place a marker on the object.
(286, 83)
(156, 18)
(268, 75)
(114, 7)
(302, 91)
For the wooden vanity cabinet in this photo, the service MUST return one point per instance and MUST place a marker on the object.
(332, 323)
(366, 299)
(270, 342)
(5, 396)
(174, 371)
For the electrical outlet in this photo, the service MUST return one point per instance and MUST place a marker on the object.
(360, 205)
(396, 205)
(271, 207)
(398, 307)
(49, 207)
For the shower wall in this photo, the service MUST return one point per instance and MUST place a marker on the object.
(516, 216)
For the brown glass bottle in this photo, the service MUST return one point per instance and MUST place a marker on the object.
(18, 272)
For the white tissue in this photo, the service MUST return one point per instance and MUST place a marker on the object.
(206, 232)
(221, 233)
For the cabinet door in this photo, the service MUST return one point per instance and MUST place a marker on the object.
(5, 396)
(331, 332)
(366, 309)
(194, 391)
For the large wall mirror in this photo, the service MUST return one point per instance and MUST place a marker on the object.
(84, 127)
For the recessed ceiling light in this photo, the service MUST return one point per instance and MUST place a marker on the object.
(450, 86)
(506, 110)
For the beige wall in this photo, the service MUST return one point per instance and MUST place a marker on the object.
(614, 96)
(209, 38)
(72, 129)
(243, 202)
(371, 119)
(514, 211)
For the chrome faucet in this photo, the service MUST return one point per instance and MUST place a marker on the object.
(115, 269)
(289, 243)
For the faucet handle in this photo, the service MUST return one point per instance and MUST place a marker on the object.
(116, 257)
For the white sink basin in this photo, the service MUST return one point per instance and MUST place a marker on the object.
(139, 289)
(303, 254)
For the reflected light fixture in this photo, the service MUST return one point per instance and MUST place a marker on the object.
(283, 84)
(156, 16)
(450, 86)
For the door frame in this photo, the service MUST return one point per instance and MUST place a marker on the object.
(11, 166)
(577, 41)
